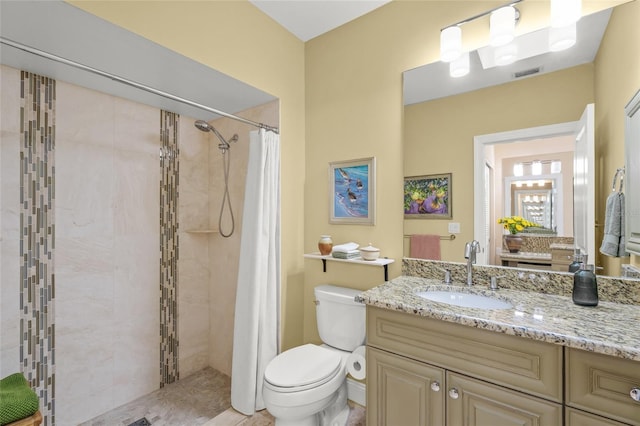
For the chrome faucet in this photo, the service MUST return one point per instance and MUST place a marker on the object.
(470, 250)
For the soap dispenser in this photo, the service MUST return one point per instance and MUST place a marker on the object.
(577, 261)
(585, 286)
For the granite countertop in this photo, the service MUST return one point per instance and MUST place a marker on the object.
(609, 328)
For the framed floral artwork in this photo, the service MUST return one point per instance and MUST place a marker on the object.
(352, 191)
(427, 197)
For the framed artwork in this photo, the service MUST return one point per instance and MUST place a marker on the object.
(352, 191)
(427, 197)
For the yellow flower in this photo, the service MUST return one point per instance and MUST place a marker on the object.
(515, 224)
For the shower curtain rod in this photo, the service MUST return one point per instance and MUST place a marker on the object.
(131, 83)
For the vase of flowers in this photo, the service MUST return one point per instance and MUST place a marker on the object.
(514, 224)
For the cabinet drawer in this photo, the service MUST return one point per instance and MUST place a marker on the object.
(562, 256)
(401, 391)
(580, 418)
(601, 384)
(515, 362)
(477, 403)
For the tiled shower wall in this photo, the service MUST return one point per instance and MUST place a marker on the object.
(107, 257)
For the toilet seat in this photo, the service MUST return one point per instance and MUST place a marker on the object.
(301, 368)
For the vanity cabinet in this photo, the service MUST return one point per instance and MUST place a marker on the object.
(602, 385)
(405, 391)
(422, 371)
(561, 258)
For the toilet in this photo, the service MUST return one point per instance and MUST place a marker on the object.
(306, 385)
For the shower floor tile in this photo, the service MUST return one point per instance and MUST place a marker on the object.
(191, 401)
(203, 398)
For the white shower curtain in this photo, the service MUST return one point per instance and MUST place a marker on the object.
(256, 328)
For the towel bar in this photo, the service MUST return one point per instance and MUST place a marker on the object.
(450, 237)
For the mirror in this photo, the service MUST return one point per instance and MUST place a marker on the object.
(447, 116)
(533, 199)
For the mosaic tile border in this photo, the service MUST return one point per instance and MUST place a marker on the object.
(37, 238)
(169, 168)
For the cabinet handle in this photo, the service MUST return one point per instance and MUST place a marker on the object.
(635, 394)
(435, 386)
(453, 393)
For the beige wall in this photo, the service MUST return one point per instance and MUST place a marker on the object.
(341, 98)
(239, 40)
(617, 78)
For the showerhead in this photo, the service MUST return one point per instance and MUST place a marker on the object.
(206, 127)
(203, 125)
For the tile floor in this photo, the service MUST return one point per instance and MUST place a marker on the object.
(200, 399)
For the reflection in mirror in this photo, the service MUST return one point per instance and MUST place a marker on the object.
(534, 200)
(452, 117)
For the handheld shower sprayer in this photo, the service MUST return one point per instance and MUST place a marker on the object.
(224, 147)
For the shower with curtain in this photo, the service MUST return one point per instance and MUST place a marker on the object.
(107, 210)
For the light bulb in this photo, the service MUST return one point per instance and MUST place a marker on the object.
(565, 12)
(536, 168)
(502, 26)
(450, 43)
(460, 67)
(561, 38)
(506, 55)
(518, 169)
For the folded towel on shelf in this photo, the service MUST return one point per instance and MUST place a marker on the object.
(345, 248)
(425, 246)
(351, 254)
(613, 240)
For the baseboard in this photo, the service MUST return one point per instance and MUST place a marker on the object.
(356, 392)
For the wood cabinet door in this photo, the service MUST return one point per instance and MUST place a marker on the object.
(575, 417)
(472, 402)
(403, 392)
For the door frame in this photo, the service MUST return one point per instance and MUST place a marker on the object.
(479, 143)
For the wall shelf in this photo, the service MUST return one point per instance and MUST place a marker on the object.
(384, 262)
(202, 231)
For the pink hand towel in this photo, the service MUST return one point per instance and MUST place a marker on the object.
(425, 246)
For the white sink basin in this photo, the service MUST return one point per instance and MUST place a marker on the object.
(467, 300)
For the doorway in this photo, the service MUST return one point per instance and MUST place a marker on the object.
(582, 132)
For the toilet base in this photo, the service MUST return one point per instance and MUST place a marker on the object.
(335, 414)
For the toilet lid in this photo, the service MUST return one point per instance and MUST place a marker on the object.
(301, 366)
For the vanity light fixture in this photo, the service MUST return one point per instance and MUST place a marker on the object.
(505, 55)
(450, 43)
(542, 182)
(501, 31)
(556, 166)
(502, 26)
(564, 15)
(536, 168)
(565, 12)
(518, 169)
(459, 67)
(562, 38)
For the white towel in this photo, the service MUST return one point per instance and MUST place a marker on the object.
(613, 240)
(346, 247)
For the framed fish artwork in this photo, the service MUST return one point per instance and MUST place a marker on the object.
(352, 192)
(427, 197)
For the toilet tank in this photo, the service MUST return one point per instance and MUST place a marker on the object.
(341, 320)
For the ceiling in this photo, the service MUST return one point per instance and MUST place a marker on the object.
(307, 19)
